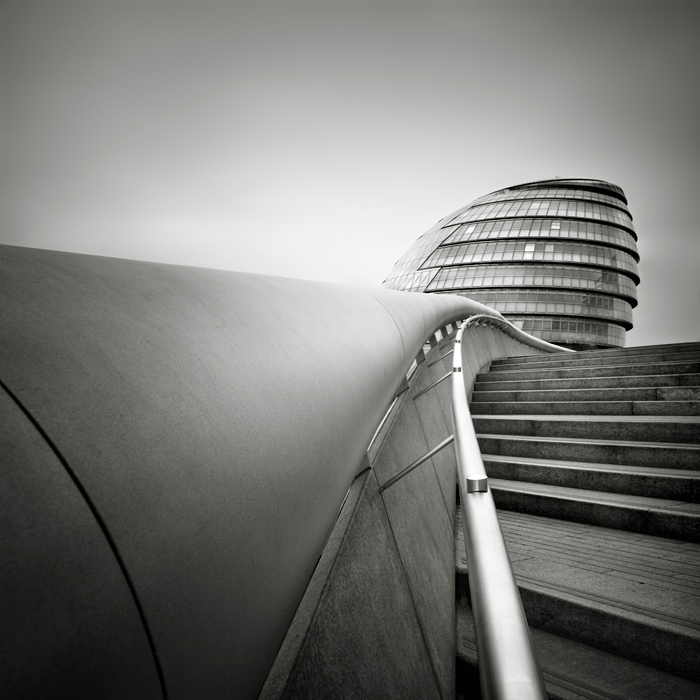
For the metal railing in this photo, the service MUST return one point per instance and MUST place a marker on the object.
(508, 669)
(514, 332)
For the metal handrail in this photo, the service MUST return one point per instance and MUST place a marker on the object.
(508, 669)
(512, 330)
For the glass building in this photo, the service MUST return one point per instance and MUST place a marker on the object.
(558, 258)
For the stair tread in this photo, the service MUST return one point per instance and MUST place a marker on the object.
(591, 363)
(620, 370)
(645, 363)
(586, 417)
(689, 407)
(646, 381)
(587, 441)
(606, 569)
(596, 466)
(485, 388)
(603, 497)
(571, 358)
(660, 428)
(574, 671)
(617, 352)
(590, 441)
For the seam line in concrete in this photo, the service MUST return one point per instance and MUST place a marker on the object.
(434, 362)
(103, 527)
(428, 388)
(407, 470)
(413, 602)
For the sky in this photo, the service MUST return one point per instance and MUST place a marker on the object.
(319, 139)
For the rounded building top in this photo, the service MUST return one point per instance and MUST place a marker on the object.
(559, 257)
(600, 186)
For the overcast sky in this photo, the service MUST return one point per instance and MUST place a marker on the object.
(319, 139)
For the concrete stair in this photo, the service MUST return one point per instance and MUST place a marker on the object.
(594, 464)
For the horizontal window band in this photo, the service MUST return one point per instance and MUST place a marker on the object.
(549, 239)
(613, 203)
(558, 263)
(567, 217)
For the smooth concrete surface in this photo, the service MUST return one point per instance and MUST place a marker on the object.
(404, 444)
(420, 508)
(356, 633)
(214, 421)
(423, 533)
(69, 624)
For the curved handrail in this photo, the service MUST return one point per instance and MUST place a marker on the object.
(508, 669)
(512, 330)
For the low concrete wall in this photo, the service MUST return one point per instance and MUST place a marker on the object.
(378, 619)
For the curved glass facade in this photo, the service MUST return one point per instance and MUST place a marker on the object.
(556, 257)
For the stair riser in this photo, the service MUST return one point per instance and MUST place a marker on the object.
(678, 525)
(590, 408)
(651, 431)
(667, 381)
(691, 393)
(607, 628)
(607, 371)
(652, 486)
(634, 455)
(552, 362)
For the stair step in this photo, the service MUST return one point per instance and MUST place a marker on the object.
(671, 349)
(624, 382)
(676, 429)
(594, 463)
(617, 408)
(635, 453)
(652, 516)
(651, 482)
(683, 393)
(628, 594)
(653, 368)
(578, 360)
(574, 671)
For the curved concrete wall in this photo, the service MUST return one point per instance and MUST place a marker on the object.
(378, 617)
(176, 445)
